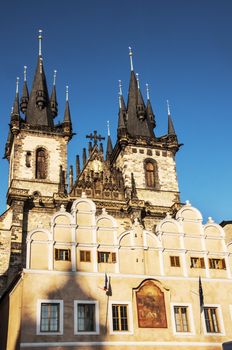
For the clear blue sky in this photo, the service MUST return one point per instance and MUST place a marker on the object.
(182, 48)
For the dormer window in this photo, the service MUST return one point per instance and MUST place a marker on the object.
(41, 164)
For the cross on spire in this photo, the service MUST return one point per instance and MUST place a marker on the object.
(95, 137)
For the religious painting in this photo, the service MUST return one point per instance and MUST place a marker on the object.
(151, 306)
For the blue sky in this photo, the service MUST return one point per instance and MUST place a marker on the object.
(182, 48)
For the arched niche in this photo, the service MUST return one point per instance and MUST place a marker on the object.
(84, 212)
(106, 229)
(37, 249)
(213, 230)
(187, 212)
(150, 302)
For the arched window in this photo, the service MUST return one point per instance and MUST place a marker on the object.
(150, 174)
(41, 164)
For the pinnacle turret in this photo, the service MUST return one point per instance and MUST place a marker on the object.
(25, 94)
(15, 114)
(149, 109)
(171, 130)
(53, 99)
(109, 147)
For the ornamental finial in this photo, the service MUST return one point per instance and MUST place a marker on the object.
(17, 85)
(40, 41)
(25, 73)
(120, 87)
(148, 94)
(168, 106)
(66, 92)
(137, 77)
(108, 127)
(54, 77)
(131, 59)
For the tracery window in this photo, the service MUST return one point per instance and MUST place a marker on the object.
(150, 174)
(41, 164)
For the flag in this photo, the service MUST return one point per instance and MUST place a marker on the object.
(201, 295)
(106, 283)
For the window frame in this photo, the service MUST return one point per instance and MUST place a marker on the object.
(45, 156)
(200, 262)
(219, 320)
(111, 255)
(129, 317)
(84, 253)
(56, 254)
(96, 317)
(61, 316)
(174, 258)
(217, 263)
(153, 172)
(190, 319)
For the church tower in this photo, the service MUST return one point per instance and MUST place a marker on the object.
(147, 162)
(36, 149)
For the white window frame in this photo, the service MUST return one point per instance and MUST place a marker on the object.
(129, 315)
(61, 316)
(189, 317)
(219, 319)
(97, 328)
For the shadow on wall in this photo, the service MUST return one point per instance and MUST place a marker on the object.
(82, 307)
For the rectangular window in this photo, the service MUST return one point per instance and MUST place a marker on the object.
(106, 257)
(181, 318)
(211, 320)
(50, 317)
(63, 254)
(217, 264)
(85, 255)
(86, 317)
(175, 261)
(119, 317)
(197, 263)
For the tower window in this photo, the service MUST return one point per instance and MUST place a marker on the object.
(41, 164)
(150, 174)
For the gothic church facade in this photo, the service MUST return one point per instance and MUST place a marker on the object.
(112, 258)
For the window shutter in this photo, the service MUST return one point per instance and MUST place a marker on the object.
(210, 264)
(177, 261)
(202, 263)
(56, 254)
(69, 254)
(99, 257)
(81, 255)
(88, 256)
(172, 260)
(223, 264)
(113, 257)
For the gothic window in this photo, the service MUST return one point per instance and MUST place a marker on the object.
(150, 174)
(41, 164)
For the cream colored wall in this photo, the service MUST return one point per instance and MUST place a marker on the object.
(137, 251)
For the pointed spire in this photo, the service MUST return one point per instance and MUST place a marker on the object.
(70, 177)
(109, 148)
(78, 169)
(149, 109)
(38, 109)
(171, 130)
(15, 112)
(67, 115)
(122, 105)
(53, 99)
(25, 94)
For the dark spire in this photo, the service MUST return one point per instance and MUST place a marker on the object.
(38, 109)
(25, 94)
(78, 169)
(121, 114)
(109, 148)
(15, 111)
(149, 110)
(84, 158)
(171, 130)
(53, 100)
(138, 125)
(67, 115)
